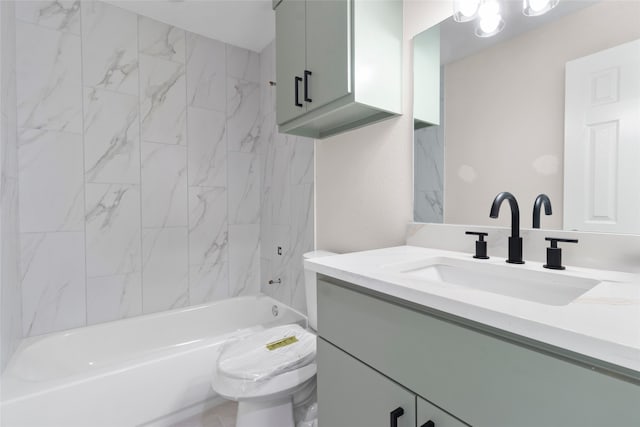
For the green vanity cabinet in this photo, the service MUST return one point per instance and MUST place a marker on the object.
(471, 374)
(356, 395)
(338, 64)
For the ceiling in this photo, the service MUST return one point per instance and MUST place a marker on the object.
(245, 23)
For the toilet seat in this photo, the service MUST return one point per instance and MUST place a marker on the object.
(247, 369)
(257, 356)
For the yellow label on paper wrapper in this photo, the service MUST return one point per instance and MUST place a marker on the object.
(282, 343)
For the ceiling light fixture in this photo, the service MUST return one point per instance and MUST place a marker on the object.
(488, 15)
(538, 7)
(465, 10)
(490, 20)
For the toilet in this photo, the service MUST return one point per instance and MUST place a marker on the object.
(271, 371)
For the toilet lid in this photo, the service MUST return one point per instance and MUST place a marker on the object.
(268, 353)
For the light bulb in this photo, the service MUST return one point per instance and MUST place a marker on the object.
(465, 10)
(490, 21)
(538, 7)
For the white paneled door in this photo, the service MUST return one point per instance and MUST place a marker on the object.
(602, 141)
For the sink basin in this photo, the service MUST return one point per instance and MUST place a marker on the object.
(546, 287)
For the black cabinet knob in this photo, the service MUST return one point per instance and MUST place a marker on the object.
(394, 415)
(429, 424)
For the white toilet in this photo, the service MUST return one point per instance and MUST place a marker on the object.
(271, 371)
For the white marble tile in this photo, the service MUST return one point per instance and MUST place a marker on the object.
(243, 64)
(114, 297)
(165, 273)
(48, 79)
(244, 188)
(111, 137)
(429, 158)
(244, 259)
(61, 15)
(268, 73)
(208, 234)
(280, 185)
(302, 240)
(109, 47)
(163, 104)
(207, 147)
(112, 229)
(302, 159)
(428, 206)
(164, 185)
(277, 236)
(206, 73)
(51, 181)
(243, 118)
(53, 282)
(161, 40)
(209, 282)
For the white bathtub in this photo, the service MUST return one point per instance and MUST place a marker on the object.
(128, 372)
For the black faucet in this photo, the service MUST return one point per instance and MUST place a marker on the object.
(515, 241)
(542, 199)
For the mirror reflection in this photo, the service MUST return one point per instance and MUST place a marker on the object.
(549, 105)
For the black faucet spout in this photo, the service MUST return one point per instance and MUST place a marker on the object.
(541, 200)
(515, 241)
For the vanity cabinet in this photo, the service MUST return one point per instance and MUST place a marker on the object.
(464, 373)
(356, 395)
(338, 64)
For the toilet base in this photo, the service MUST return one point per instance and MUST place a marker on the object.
(271, 413)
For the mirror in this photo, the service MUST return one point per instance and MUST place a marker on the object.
(499, 123)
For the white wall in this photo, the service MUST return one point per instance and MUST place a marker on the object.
(494, 144)
(364, 178)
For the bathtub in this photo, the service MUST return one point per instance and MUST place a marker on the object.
(130, 372)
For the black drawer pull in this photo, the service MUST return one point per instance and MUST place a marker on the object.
(429, 424)
(297, 102)
(394, 415)
(307, 73)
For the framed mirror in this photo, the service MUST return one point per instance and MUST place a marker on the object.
(502, 121)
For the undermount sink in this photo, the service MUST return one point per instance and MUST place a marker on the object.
(551, 288)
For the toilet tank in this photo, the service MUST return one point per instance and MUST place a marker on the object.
(310, 286)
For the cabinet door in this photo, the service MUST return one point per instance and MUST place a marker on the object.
(350, 394)
(430, 416)
(328, 50)
(290, 59)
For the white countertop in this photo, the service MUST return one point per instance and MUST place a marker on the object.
(603, 323)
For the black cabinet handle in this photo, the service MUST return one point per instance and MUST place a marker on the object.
(394, 415)
(307, 73)
(429, 424)
(297, 102)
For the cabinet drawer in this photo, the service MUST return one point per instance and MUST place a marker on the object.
(482, 379)
(428, 413)
(350, 394)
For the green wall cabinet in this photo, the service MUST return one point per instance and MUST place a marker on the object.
(460, 373)
(338, 64)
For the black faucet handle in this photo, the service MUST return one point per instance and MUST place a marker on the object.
(554, 253)
(481, 245)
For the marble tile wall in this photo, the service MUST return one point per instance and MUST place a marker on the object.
(287, 219)
(428, 145)
(10, 294)
(139, 165)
